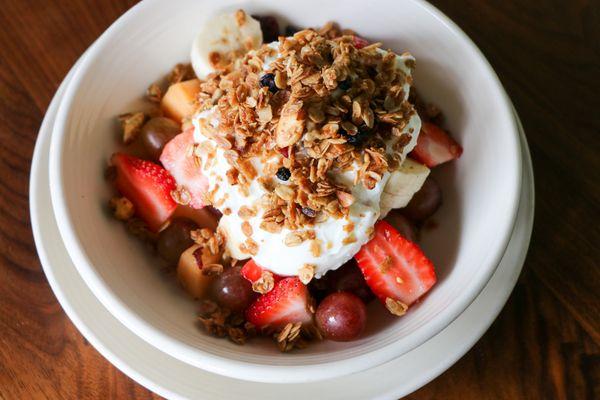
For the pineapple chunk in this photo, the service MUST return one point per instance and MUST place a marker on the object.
(178, 102)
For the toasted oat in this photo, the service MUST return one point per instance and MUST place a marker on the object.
(265, 283)
(306, 273)
(345, 199)
(131, 125)
(293, 239)
(251, 246)
(291, 124)
(181, 72)
(290, 337)
(351, 238)
(396, 307)
(123, 209)
(240, 17)
(285, 192)
(221, 322)
(246, 212)
(154, 93)
(315, 248)
(181, 196)
(246, 228)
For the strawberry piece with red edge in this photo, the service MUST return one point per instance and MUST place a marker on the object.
(253, 272)
(148, 186)
(288, 302)
(435, 146)
(394, 267)
(176, 159)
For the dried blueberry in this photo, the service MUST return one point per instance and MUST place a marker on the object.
(345, 84)
(283, 173)
(268, 80)
(309, 212)
(269, 27)
(357, 138)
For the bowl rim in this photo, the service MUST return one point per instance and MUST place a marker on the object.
(243, 369)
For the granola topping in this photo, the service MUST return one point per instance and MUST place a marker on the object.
(336, 117)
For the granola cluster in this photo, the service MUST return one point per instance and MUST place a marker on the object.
(323, 105)
(210, 254)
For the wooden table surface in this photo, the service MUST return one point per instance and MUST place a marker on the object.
(544, 344)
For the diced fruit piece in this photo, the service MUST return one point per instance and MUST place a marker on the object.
(156, 133)
(341, 316)
(223, 37)
(176, 159)
(148, 186)
(262, 280)
(395, 268)
(179, 100)
(288, 302)
(232, 291)
(402, 185)
(174, 239)
(425, 202)
(253, 272)
(190, 274)
(435, 146)
(403, 225)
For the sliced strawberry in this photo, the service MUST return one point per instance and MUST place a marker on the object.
(359, 42)
(177, 160)
(395, 267)
(253, 272)
(435, 146)
(288, 302)
(148, 186)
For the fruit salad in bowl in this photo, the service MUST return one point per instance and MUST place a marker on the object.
(283, 178)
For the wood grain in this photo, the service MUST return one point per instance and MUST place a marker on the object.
(544, 345)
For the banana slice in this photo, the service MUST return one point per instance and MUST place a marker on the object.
(402, 185)
(223, 38)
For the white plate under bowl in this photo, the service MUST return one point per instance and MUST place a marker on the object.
(174, 379)
(480, 190)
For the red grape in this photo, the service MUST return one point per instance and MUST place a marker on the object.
(425, 202)
(175, 239)
(402, 225)
(341, 316)
(348, 278)
(231, 290)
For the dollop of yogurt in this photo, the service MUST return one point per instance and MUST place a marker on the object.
(337, 240)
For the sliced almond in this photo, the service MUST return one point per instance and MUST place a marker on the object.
(291, 124)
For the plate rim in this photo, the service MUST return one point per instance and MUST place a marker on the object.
(131, 371)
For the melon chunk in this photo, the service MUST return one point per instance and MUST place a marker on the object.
(190, 275)
(179, 100)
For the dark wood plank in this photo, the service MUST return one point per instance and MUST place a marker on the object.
(544, 345)
(532, 351)
(547, 54)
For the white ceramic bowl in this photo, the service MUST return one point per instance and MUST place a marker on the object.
(474, 224)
